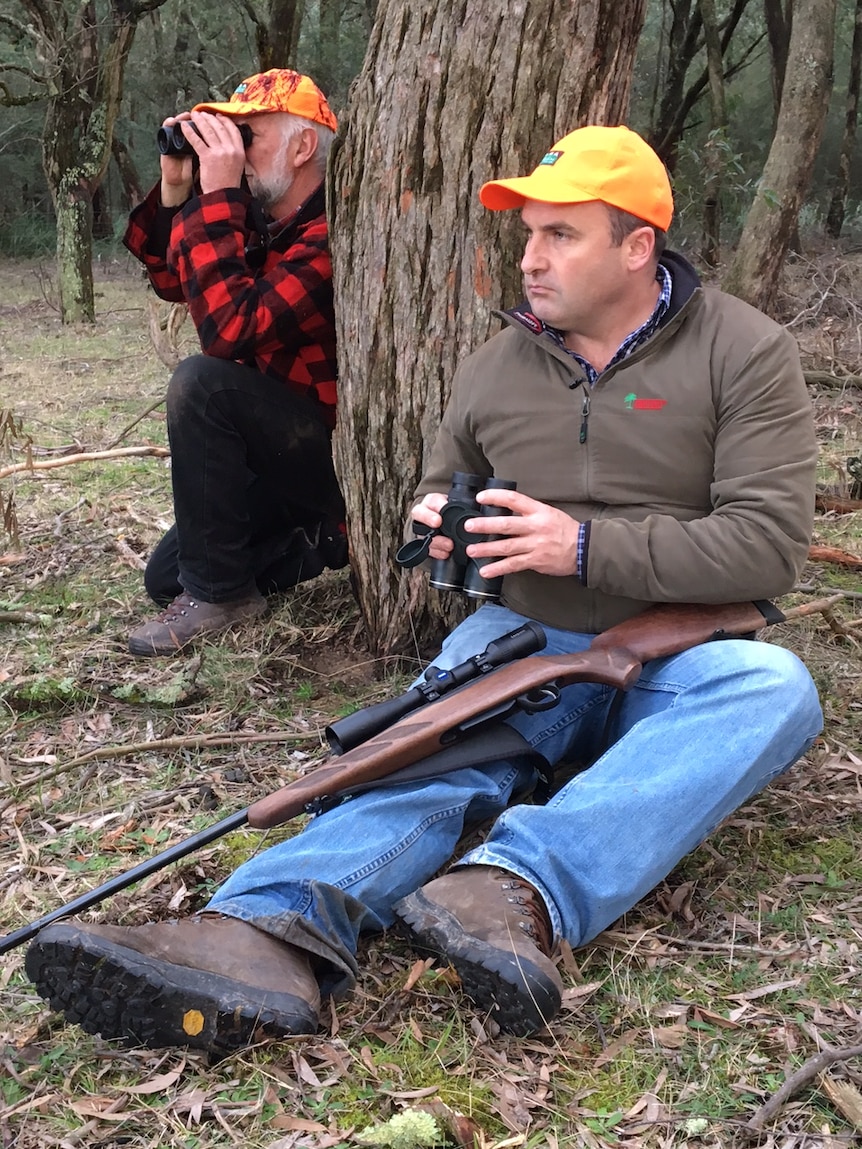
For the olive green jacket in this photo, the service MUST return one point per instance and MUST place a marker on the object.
(695, 475)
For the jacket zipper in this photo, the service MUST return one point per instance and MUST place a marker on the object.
(585, 414)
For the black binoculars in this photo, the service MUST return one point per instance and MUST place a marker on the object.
(172, 140)
(459, 572)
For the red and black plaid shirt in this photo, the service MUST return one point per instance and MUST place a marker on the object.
(279, 317)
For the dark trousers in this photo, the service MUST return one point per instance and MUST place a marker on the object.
(253, 485)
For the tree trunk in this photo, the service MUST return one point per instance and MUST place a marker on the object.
(771, 221)
(129, 178)
(778, 15)
(838, 203)
(679, 94)
(450, 95)
(714, 151)
(278, 38)
(84, 56)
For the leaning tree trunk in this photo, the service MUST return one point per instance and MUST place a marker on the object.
(771, 222)
(450, 95)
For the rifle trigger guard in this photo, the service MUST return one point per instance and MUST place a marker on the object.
(538, 700)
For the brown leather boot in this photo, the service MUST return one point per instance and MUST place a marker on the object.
(210, 982)
(188, 618)
(493, 927)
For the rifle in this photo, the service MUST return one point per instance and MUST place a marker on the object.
(393, 735)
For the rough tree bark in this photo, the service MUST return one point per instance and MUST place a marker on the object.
(451, 94)
(771, 222)
(838, 202)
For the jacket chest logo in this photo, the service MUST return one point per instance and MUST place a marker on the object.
(632, 403)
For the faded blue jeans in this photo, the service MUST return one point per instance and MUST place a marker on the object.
(698, 735)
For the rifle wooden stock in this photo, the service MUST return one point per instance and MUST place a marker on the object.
(614, 658)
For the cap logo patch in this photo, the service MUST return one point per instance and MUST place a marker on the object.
(239, 91)
(549, 159)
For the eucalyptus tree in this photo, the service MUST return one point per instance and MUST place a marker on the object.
(451, 94)
(771, 223)
(76, 52)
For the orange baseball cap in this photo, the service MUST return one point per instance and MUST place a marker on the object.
(614, 165)
(278, 90)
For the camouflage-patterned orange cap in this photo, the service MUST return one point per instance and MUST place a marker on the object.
(278, 90)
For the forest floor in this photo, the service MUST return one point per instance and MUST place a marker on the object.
(680, 1023)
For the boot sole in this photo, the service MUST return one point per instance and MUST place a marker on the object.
(119, 993)
(518, 994)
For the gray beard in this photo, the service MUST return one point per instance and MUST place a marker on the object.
(271, 192)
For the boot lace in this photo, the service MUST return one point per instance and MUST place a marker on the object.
(527, 906)
(179, 608)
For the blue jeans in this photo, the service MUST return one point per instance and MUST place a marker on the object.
(698, 735)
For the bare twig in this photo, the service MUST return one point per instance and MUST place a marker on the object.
(819, 606)
(84, 457)
(193, 742)
(149, 410)
(806, 1073)
(628, 941)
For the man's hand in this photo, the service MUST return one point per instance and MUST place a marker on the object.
(177, 171)
(428, 512)
(536, 537)
(220, 151)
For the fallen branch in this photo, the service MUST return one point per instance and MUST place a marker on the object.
(827, 380)
(837, 504)
(823, 554)
(25, 616)
(806, 1073)
(819, 606)
(82, 457)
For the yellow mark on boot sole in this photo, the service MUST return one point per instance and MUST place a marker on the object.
(193, 1022)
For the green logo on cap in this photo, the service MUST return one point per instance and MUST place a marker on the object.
(549, 159)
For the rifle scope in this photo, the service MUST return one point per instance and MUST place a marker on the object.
(356, 728)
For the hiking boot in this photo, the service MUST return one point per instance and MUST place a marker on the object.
(209, 982)
(493, 927)
(188, 618)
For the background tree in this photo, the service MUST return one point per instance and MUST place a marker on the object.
(82, 47)
(276, 33)
(683, 43)
(711, 239)
(771, 222)
(448, 97)
(778, 15)
(838, 202)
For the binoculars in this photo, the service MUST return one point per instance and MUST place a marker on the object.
(458, 572)
(172, 140)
